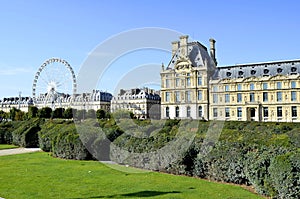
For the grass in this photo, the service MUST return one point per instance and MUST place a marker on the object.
(7, 146)
(38, 175)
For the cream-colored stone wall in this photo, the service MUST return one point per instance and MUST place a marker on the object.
(258, 104)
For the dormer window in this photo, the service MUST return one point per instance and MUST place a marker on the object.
(253, 72)
(279, 70)
(228, 74)
(266, 71)
(293, 69)
(241, 73)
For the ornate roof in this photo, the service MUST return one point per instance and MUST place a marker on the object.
(265, 69)
(197, 56)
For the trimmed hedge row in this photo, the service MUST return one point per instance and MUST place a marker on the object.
(26, 134)
(264, 155)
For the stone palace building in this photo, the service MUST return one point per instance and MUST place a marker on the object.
(192, 86)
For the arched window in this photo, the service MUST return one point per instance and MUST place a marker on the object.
(200, 111)
(177, 111)
(188, 111)
(167, 112)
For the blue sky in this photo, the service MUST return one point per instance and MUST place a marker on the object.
(33, 31)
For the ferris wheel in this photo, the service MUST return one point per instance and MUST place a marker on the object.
(53, 82)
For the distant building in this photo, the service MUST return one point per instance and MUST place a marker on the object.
(94, 100)
(143, 103)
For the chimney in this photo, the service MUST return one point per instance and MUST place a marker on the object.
(213, 50)
(175, 46)
(183, 45)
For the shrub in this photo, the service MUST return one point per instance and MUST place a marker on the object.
(58, 113)
(26, 135)
(45, 112)
(6, 133)
(285, 175)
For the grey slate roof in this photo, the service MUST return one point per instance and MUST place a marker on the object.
(259, 69)
(197, 53)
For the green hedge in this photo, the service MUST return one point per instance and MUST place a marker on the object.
(26, 134)
(6, 129)
(264, 155)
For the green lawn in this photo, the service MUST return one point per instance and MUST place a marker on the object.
(7, 146)
(38, 175)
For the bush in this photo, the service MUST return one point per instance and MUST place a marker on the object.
(285, 175)
(32, 112)
(69, 113)
(45, 112)
(67, 144)
(26, 135)
(257, 164)
(58, 113)
(6, 133)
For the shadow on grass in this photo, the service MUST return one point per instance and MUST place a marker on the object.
(136, 194)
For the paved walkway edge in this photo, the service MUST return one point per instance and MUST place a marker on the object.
(18, 151)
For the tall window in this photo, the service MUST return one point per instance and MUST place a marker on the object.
(265, 86)
(252, 97)
(167, 96)
(215, 88)
(167, 83)
(279, 96)
(188, 96)
(227, 113)
(215, 112)
(226, 87)
(177, 96)
(279, 111)
(252, 86)
(200, 111)
(294, 111)
(293, 84)
(293, 96)
(227, 98)
(239, 87)
(167, 112)
(177, 111)
(266, 111)
(215, 98)
(279, 85)
(199, 80)
(199, 94)
(265, 96)
(239, 112)
(188, 111)
(188, 79)
(177, 82)
(239, 97)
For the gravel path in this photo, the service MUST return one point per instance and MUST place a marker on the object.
(18, 151)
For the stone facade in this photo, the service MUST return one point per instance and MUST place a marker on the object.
(185, 81)
(258, 92)
(143, 103)
(193, 87)
(94, 100)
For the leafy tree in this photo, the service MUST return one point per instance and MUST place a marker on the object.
(80, 114)
(123, 114)
(3, 115)
(32, 111)
(101, 114)
(45, 112)
(58, 113)
(19, 115)
(91, 113)
(69, 113)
